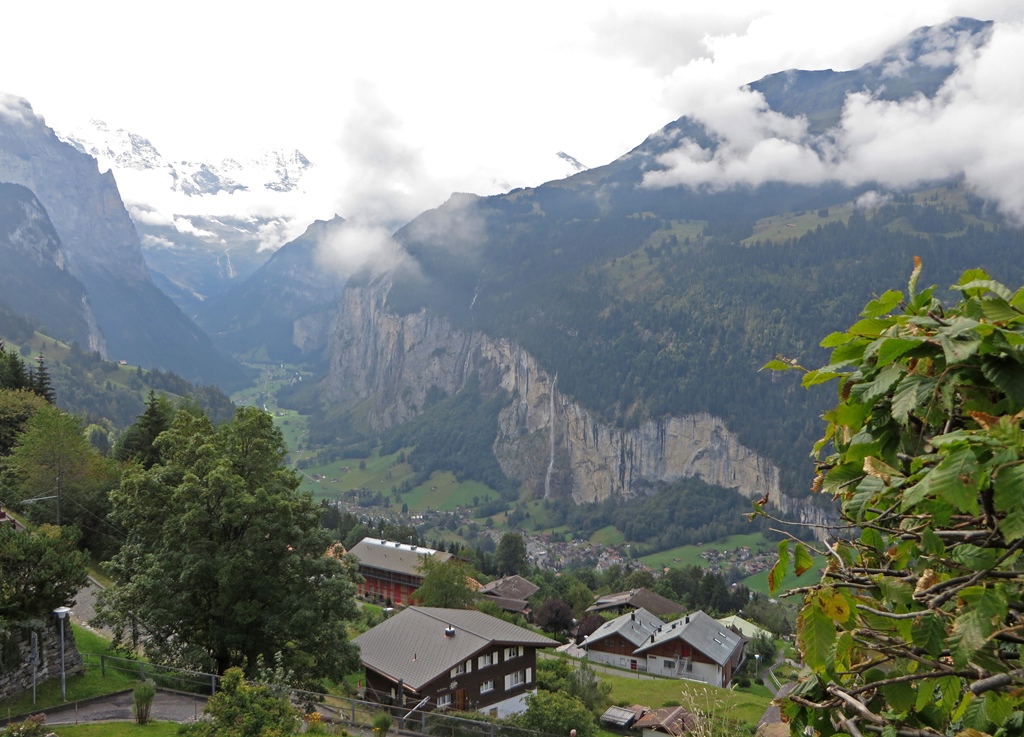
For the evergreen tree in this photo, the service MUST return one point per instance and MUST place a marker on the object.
(41, 384)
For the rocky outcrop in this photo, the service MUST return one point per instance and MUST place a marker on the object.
(35, 280)
(35, 651)
(103, 251)
(545, 439)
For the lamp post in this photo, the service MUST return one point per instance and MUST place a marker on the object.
(62, 612)
(757, 660)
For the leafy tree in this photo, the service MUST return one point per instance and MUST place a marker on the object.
(915, 627)
(556, 712)
(588, 688)
(42, 569)
(555, 616)
(53, 458)
(510, 557)
(445, 584)
(16, 408)
(224, 560)
(240, 709)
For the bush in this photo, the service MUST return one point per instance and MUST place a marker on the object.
(142, 701)
(31, 727)
(381, 723)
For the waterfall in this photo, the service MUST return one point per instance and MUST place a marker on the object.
(551, 426)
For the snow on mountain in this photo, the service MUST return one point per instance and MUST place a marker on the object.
(277, 171)
(204, 225)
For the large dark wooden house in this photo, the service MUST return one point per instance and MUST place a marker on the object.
(390, 570)
(451, 658)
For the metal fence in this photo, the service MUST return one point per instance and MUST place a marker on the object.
(345, 711)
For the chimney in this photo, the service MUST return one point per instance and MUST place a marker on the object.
(687, 619)
(449, 631)
(632, 616)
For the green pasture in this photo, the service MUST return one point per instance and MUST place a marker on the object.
(609, 535)
(117, 729)
(689, 555)
(759, 581)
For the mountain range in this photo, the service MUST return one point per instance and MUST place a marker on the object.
(602, 333)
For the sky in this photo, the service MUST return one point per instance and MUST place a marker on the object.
(400, 104)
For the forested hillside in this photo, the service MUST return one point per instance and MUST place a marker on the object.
(643, 317)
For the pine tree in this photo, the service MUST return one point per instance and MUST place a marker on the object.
(41, 384)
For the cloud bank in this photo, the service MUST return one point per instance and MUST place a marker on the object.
(971, 129)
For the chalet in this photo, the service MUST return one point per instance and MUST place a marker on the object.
(451, 659)
(697, 648)
(625, 601)
(511, 594)
(741, 626)
(390, 570)
(671, 720)
(615, 641)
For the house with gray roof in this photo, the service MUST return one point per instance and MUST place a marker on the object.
(624, 601)
(511, 593)
(390, 570)
(451, 658)
(697, 648)
(616, 641)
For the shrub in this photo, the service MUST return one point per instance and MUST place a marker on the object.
(381, 723)
(142, 701)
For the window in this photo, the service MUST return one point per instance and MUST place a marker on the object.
(670, 664)
(485, 660)
(487, 686)
(458, 670)
(516, 679)
(444, 700)
(513, 652)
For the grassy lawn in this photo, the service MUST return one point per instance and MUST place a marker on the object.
(90, 683)
(118, 729)
(745, 706)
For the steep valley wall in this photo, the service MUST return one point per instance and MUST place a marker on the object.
(545, 440)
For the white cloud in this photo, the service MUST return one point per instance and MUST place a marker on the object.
(352, 247)
(971, 128)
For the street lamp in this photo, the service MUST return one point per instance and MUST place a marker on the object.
(62, 612)
(757, 660)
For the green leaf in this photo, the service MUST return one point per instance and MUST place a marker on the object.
(871, 327)
(997, 309)
(932, 543)
(954, 480)
(833, 339)
(1007, 375)
(777, 365)
(778, 571)
(868, 392)
(949, 693)
(883, 305)
(974, 558)
(929, 633)
(998, 707)
(958, 351)
(912, 391)
(818, 376)
(893, 348)
(804, 561)
(896, 591)
(976, 282)
(901, 696)
(848, 352)
(816, 632)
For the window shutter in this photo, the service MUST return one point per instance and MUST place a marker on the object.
(480, 661)
(521, 650)
(529, 675)
(469, 665)
(508, 681)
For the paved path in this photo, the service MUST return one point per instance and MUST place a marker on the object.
(85, 608)
(168, 706)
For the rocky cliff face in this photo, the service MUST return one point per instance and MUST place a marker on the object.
(35, 280)
(545, 440)
(103, 251)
